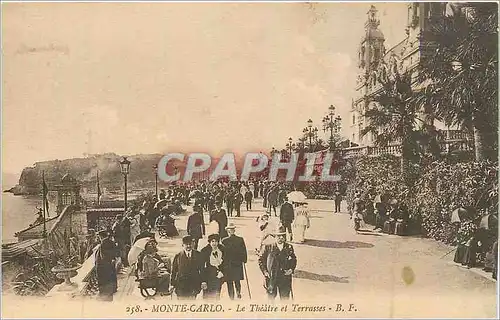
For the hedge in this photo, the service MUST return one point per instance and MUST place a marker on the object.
(441, 187)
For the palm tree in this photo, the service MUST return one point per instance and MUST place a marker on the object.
(395, 119)
(461, 73)
(319, 145)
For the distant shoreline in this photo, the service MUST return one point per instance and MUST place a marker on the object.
(17, 190)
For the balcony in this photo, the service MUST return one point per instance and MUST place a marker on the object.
(449, 141)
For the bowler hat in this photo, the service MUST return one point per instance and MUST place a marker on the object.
(214, 236)
(187, 239)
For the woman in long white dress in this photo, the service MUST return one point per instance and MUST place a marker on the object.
(301, 223)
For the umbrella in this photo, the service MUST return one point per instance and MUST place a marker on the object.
(488, 222)
(296, 196)
(195, 193)
(160, 204)
(136, 249)
(458, 215)
(212, 228)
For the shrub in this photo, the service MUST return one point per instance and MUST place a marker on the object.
(441, 188)
(444, 187)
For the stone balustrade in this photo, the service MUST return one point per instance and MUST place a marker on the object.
(450, 140)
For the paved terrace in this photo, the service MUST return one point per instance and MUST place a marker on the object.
(336, 262)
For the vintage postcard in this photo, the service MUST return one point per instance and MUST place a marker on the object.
(249, 159)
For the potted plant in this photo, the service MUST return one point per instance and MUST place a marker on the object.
(67, 258)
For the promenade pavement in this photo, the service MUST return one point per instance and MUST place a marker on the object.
(383, 275)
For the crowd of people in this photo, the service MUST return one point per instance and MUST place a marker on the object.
(390, 216)
(223, 259)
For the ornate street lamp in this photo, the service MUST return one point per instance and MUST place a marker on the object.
(273, 151)
(125, 169)
(333, 125)
(310, 132)
(290, 146)
(284, 154)
(155, 170)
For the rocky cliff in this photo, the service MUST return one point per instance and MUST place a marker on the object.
(85, 170)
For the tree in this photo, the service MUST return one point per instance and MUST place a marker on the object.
(395, 117)
(461, 73)
(319, 145)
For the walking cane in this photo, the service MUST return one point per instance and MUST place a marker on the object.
(246, 277)
(448, 253)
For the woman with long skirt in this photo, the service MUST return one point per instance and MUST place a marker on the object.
(213, 256)
(301, 223)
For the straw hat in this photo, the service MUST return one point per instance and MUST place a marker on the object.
(230, 226)
(280, 232)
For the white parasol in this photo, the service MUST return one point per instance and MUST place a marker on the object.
(296, 196)
(458, 215)
(488, 222)
(160, 204)
(136, 249)
(212, 228)
(195, 194)
(274, 223)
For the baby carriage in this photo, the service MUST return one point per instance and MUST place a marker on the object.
(151, 283)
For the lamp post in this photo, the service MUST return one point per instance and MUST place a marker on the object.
(290, 146)
(332, 124)
(310, 132)
(273, 152)
(155, 169)
(125, 169)
(284, 154)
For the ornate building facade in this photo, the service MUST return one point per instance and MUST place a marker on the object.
(375, 61)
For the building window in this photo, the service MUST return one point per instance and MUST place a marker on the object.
(353, 118)
(353, 139)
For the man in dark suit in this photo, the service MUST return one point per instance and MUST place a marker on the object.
(272, 200)
(248, 199)
(256, 189)
(230, 202)
(286, 217)
(196, 225)
(187, 271)
(236, 256)
(338, 200)
(219, 215)
(237, 200)
(277, 263)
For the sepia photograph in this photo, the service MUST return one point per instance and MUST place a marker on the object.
(241, 160)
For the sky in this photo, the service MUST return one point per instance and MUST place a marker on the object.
(137, 78)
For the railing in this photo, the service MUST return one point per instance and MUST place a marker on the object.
(354, 152)
(87, 276)
(377, 151)
(450, 140)
(454, 135)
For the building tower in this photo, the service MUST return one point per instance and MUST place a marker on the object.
(370, 54)
(405, 55)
